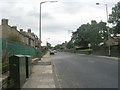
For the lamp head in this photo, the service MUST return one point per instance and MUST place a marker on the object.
(53, 1)
(97, 3)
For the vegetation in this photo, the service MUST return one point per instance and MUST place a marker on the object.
(48, 45)
(114, 18)
(94, 34)
(70, 45)
(44, 49)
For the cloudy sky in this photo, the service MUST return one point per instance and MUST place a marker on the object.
(59, 19)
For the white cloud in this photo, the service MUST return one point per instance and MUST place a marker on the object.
(57, 18)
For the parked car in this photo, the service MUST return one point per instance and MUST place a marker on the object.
(52, 52)
(55, 51)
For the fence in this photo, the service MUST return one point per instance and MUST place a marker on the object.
(10, 48)
(104, 51)
(0, 56)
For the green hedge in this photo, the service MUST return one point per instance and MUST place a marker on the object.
(84, 51)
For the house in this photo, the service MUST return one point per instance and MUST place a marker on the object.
(114, 41)
(11, 33)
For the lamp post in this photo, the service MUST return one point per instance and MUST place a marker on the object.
(40, 19)
(109, 49)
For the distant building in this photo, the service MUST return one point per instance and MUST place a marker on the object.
(11, 33)
(114, 41)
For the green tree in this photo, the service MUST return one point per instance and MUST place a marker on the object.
(70, 45)
(58, 46)
(48, 45)
(94, 33)
(114, 18)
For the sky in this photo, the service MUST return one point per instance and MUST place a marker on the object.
(59, 19)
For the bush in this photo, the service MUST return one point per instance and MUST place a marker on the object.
(84, 51)
(43, 50)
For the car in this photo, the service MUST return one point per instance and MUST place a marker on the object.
(52, 52)
(55, 51)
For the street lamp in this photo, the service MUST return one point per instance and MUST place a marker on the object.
(109, 49)
(40, 19)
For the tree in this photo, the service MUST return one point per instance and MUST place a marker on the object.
(48, 45)
(114, 18)
(70, 45)
(94, 33)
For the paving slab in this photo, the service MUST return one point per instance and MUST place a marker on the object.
(42, 75)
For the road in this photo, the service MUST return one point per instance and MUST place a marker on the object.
(84, 71)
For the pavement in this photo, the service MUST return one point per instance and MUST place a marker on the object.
(107, 57)
(42, 74)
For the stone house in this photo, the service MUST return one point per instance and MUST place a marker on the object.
(114, 41)
(11, 33)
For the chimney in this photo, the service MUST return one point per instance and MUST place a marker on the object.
(29, 31)
(4, 21)
(21, 30)
(14, 27)
(33, 34)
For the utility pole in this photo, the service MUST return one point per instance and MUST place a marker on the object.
(109, 48)
(40, 16)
